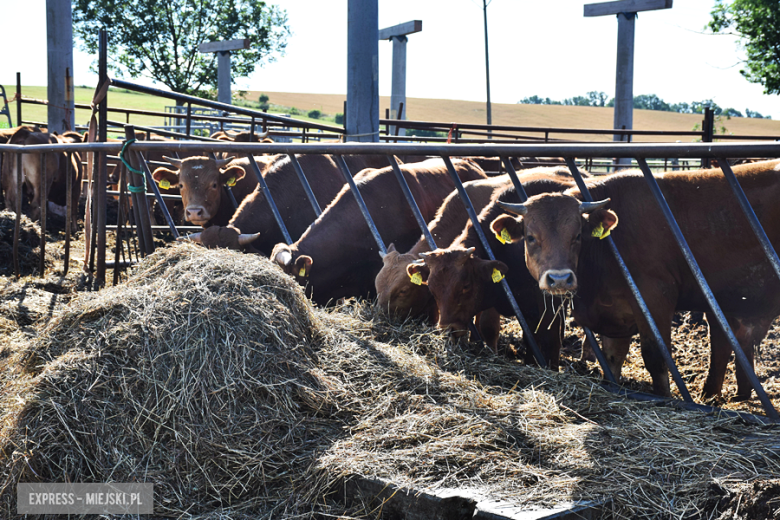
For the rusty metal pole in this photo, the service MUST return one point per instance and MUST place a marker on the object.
(102, 176)
(44, 198)
(18, 221)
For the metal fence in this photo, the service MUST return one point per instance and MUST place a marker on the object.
(640, 153)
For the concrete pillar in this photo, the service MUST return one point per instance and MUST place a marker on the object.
(362, 117)
(398, 91)
(59, 43)
(223, 77)
(624, 78)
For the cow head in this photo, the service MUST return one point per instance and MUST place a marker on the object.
(396, 293)
(460, 282)
(291, 263)
(200, 181)
(553, 228)
(227, 237)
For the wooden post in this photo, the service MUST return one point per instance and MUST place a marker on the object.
(362, 116)
(626, 11)
(223, 48)
(397, 34)
(59, 42)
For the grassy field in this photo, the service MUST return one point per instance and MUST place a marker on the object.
(439, 110)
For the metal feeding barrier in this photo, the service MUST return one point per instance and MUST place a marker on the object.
(718, 151)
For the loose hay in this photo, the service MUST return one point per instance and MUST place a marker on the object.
(211, 376)
(29, 245)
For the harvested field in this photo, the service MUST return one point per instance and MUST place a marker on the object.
(208, 374)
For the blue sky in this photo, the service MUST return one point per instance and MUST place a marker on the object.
(545, 48)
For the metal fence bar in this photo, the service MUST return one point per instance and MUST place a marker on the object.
(270, 199)
(305, 183)
(69, 202)
(140, 206)
(411, 202)
(510, 169)
(44, 198)
(770, 252)
(157, 195)
(464, 197)
(705, 288)
(361, 203)
(18, 221)
(663, 348)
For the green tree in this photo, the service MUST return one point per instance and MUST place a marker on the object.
(263, 99)
(757, 23)
(160, 40)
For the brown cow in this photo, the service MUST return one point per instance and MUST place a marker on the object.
(560, 235)
(465, 283)
(395, 291)
(337, 256)
(32, 178)
(201, 181)
(241, 137)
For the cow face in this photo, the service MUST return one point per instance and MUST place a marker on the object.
(553, 227)
(396, 293)
(227, 237)
(200, 181)
(460, 282)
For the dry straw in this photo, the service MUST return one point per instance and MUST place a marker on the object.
(210, 375)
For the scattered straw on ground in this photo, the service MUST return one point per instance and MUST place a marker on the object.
(211, 376)
(29, 245)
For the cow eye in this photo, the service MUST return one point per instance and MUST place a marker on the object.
(214, 185)
(467, 287)
(579, 236)
(530, 239)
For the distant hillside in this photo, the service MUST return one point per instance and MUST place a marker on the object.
(548, 116)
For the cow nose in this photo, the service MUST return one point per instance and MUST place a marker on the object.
(456, 332)
(196, 213)
(559, 281)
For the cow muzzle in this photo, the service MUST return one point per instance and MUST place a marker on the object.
(558, 281)
(197, 215)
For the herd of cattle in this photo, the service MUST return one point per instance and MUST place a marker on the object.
(549, 248)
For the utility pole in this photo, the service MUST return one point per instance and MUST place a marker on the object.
(487, 70)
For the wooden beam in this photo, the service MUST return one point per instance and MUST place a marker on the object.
(227, 45)
(400, 29)
(625, 6)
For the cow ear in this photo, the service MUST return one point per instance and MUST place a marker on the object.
(494, 270)
(230, 176)
(600, 223)
(165, 177)
(302, 266)
(418, 273)
(508, 229)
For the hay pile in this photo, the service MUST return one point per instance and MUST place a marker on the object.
(29, 245)
(210, 375)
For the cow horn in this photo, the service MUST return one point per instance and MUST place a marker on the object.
(587, 207)
(176, 163)
(194, 237)
(470, 250)
(263, 135)
(223, 162)
(517, 209)
(283, 258)
(418, 262)
(247, 238)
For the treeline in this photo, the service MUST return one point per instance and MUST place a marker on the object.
(645, 102)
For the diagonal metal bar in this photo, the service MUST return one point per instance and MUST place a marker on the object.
(464, 197)
(766, 245)
(361, 203)
(705, 288)
(269, 198)
(158, 195)
(305, 183)
(411, 202)
(510, 169)
(663, 348)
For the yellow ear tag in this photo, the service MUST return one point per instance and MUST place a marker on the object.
(165, 184)
(232, 182)
(416, 279)
(497, 275)
(599, 232)
(302, 272)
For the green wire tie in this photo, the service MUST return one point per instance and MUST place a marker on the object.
(130, 187)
